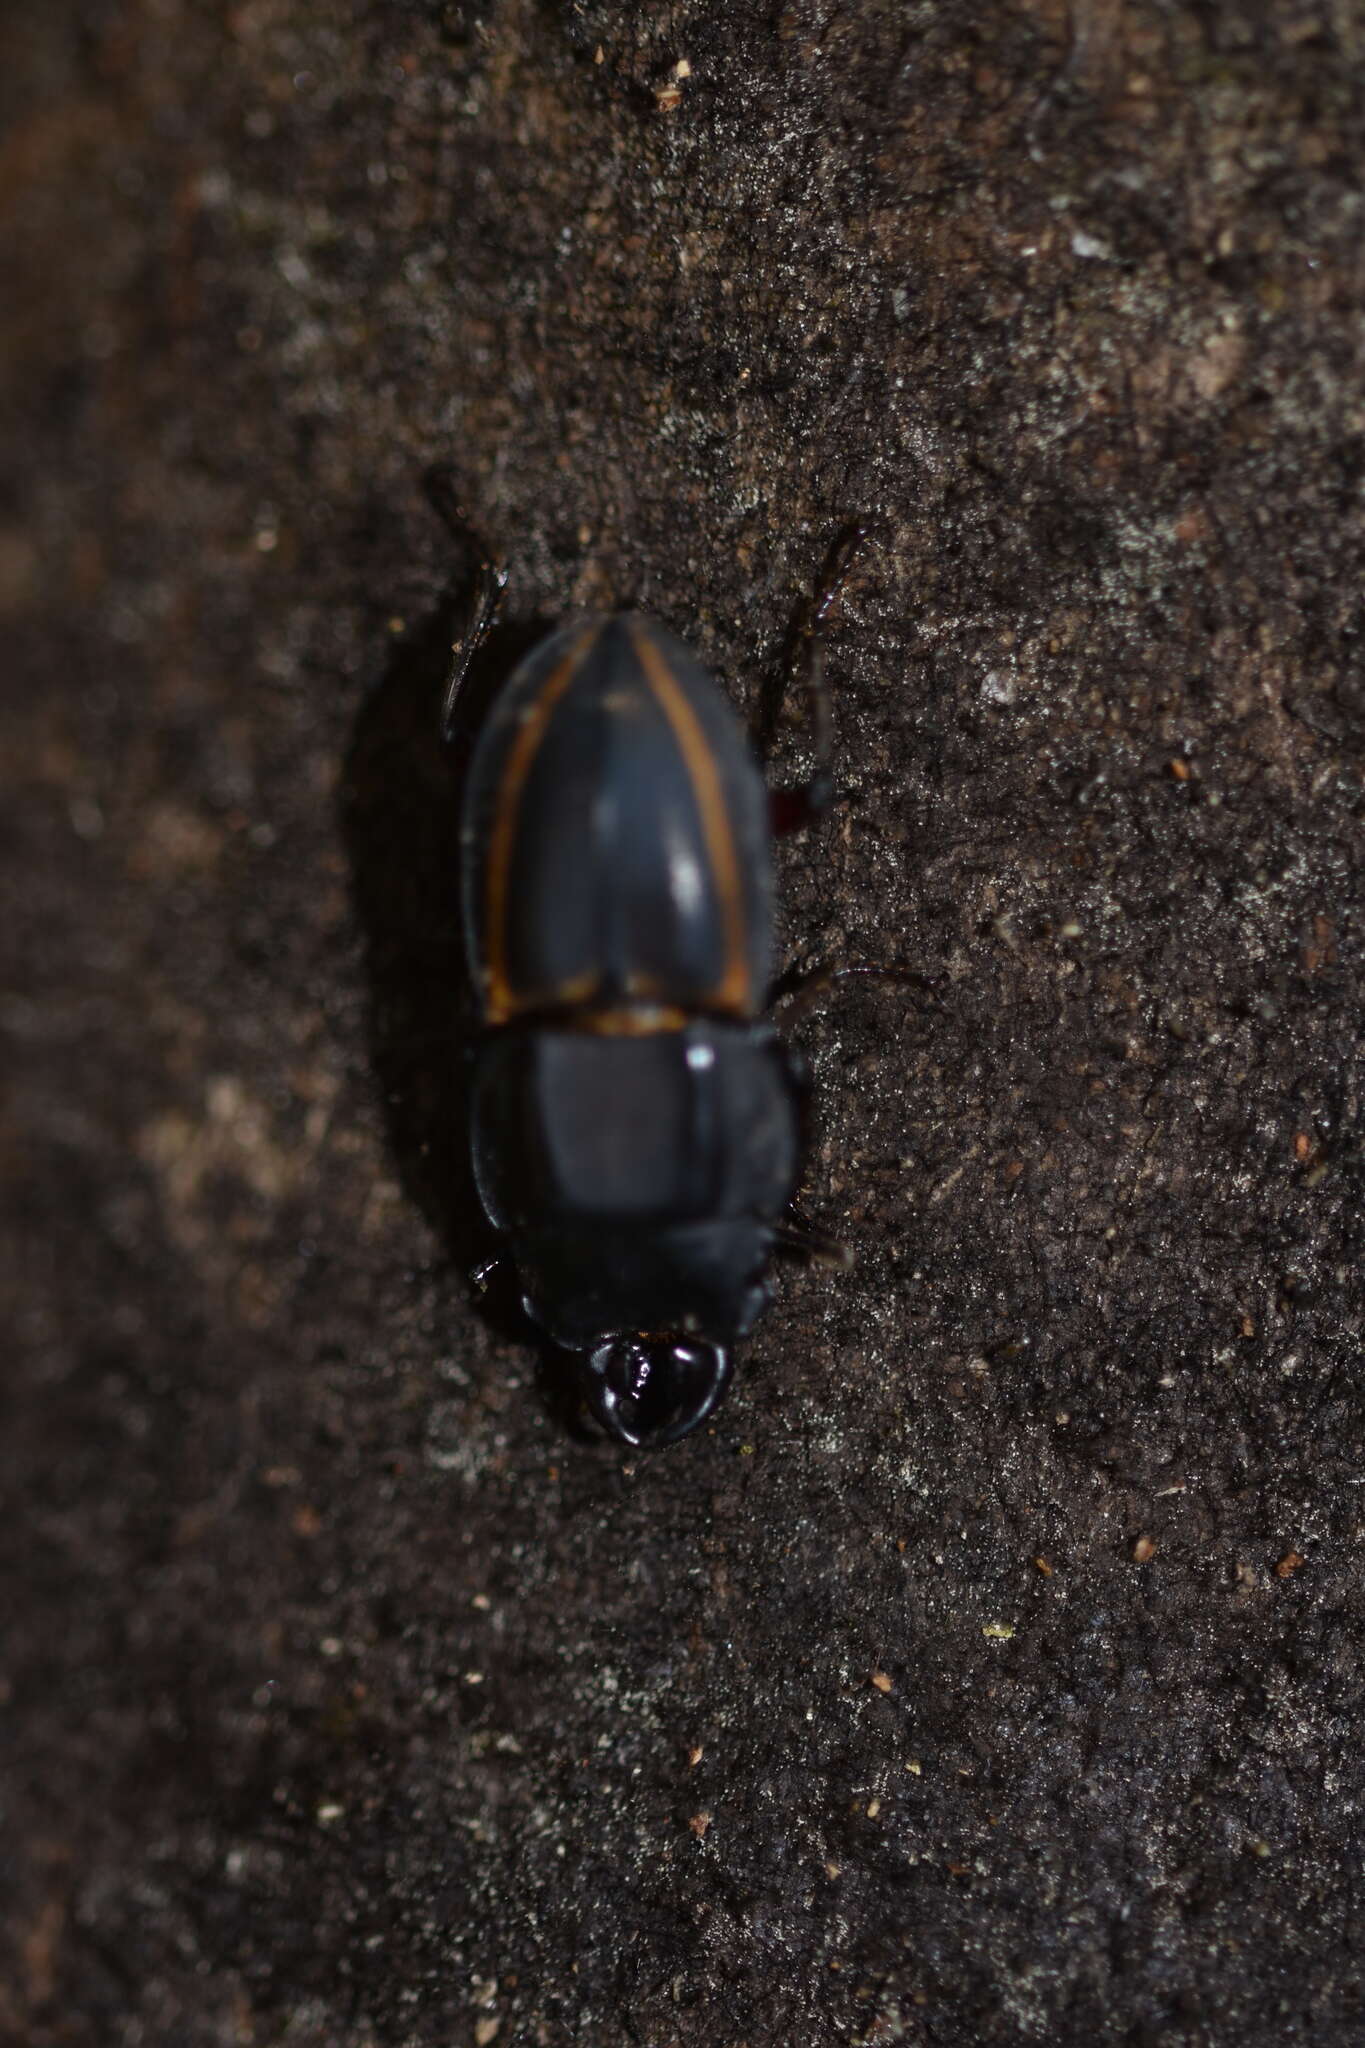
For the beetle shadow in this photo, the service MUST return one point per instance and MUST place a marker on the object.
(400, 813)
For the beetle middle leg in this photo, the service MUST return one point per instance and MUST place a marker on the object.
(481, 611)
(802, 989)
(793, 808)
(796, 1233)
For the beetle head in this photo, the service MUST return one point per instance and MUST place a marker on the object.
(649, 1391)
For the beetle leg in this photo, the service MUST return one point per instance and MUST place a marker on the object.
(796, 1233)
(489, 585)
(793, 808)
(481, 611)
(803, 989)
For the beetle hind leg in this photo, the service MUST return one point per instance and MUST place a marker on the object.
(793, 808)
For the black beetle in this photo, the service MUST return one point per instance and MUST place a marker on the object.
(635, 1120)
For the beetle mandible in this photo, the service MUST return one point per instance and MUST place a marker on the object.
(635, 1118)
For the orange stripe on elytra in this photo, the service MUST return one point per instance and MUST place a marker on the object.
(499, 998)
(734, 990)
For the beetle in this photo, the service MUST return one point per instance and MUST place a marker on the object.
(635, 1118)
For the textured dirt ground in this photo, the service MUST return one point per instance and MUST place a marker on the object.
(992, 1671)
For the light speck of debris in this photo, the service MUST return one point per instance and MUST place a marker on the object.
(882, 1681)
(699, 1823)
(998, 1631)
(1144, 1550)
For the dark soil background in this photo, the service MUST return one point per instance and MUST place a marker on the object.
(992, 1671)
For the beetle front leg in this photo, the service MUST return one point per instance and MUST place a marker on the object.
(796, 1233)
(793, 808)
(485, 599)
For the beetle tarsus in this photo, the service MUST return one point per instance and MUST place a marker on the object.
(838, 566)
(792, 809)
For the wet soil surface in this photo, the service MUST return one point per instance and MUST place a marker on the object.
(991, 1670)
